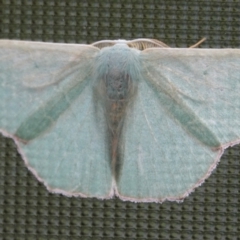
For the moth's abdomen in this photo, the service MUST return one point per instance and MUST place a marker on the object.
(116, 115)
(118, 85)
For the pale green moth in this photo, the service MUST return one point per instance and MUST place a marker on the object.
(133, 119)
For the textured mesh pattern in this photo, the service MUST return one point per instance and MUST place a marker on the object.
(28, 211)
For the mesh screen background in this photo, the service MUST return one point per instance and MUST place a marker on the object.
(29, 211)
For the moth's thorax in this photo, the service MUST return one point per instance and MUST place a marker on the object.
(116, 81)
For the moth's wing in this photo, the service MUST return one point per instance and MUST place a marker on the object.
(186, 112)
(52, 118)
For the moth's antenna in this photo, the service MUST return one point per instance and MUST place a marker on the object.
(198, 43)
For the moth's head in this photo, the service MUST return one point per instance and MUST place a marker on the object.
(140, 44)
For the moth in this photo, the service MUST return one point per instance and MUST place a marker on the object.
(133, 119)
